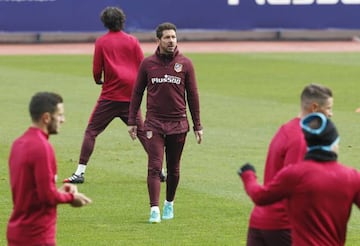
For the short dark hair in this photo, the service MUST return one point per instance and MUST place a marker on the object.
(113, 18)
(315, 92)
(164, 26)
(43, 102)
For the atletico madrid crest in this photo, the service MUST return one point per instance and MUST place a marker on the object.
(149, 134)
(178, 67)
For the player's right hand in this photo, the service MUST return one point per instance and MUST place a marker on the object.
(132, 132)
(246, 167)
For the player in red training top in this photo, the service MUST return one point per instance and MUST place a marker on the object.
(169, 78)
(117, 57)
(320, 191)
(32, 168)
(269, 225)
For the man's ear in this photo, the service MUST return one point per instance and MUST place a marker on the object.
(314, 107)
(46, 118)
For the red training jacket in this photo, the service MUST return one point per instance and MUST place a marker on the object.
(32, 168)
(116, 60)
(288, 146)
(320, 197)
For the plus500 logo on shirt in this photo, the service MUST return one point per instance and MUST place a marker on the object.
(167, 79)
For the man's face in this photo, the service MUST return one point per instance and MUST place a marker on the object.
(326, 108)
(167, 43)
(56, 120)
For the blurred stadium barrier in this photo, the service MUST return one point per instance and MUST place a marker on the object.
(31, 21)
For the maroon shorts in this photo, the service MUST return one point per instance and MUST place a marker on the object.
(166, 127)
(103, 113)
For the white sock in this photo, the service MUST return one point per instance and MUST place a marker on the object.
(80, 169)
(170, 203)
(155, 208)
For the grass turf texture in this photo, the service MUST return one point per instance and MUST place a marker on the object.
(244, 99)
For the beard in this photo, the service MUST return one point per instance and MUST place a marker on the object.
(170, 49)
(53, 127)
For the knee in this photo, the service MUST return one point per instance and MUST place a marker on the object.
(89, 133)
(155, 172)
(175, 172)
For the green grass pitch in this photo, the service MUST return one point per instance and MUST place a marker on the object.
(244, 99)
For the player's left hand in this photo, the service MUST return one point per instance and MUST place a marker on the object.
(198, 136)
(80, 200)
(69, 188)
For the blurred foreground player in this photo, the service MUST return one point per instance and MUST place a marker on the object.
(33, 169)
(169, 79)
(117, 57)
(269, 225)
(319, 190)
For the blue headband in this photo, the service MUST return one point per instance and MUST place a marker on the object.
(304, 124)
(305, 121)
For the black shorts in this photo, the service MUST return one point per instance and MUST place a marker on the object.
(258, 237)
